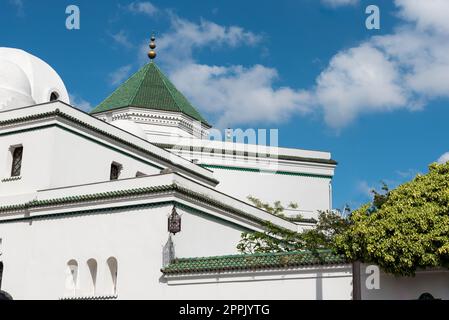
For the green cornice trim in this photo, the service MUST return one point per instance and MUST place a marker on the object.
(110, 210)
(288, 173)
(35, 204)
(58, 113)
(254, 262)
(249, 154)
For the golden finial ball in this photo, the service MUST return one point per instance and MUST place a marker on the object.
(152, 54)
(152, 45)
(153, 38)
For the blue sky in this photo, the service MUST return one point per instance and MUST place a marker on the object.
(376, 99)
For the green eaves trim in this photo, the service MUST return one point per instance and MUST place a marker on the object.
(249, 154)
(110, 210)
(260, 261)
(129, 194)
(58, 113)
(288, 173)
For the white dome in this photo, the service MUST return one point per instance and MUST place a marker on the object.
(13, 78)
(27, 80)
(15, 88)
(130, 127)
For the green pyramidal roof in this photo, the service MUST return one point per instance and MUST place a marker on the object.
(149, 88)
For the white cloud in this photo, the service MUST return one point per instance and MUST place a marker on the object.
(402, 70)
(177, 46)
(122, 38)
(233, 94)
(142, 7)
(119, 75)
(444, 158)
(80, 103)
(428, 15)
(339, 3)
(239, 95)
(356, 81)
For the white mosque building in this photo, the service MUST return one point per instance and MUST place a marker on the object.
(133, 201)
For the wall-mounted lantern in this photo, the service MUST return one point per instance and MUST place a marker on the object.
(174, 222)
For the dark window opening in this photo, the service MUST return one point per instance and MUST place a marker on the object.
(140, 174)
(115, 171)
(16, 161)
(54, 96)
(1, 274)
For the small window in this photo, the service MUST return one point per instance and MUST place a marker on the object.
(54, 96)
(17, 154)
(115, 171)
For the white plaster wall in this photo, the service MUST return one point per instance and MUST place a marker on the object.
(192, 170)
(77, 160)
(307, 183)
(409, 288)
(38, 146)
(287, 285)
(53, 158)
(310, 193)
(204, 236)
(35, 254)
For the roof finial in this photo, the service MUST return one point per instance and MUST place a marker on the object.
(152, 54)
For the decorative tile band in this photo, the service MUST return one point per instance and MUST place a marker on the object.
(125, 194)
(12, 179)
(108, 297)
(253, 262)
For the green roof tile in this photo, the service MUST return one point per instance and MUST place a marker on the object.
(149, 88)
(259, 261)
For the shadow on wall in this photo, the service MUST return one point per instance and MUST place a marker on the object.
(83, 281)
(319, 286)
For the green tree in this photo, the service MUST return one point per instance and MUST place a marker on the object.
(380, 197)
(276, 239)
(404, 229)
